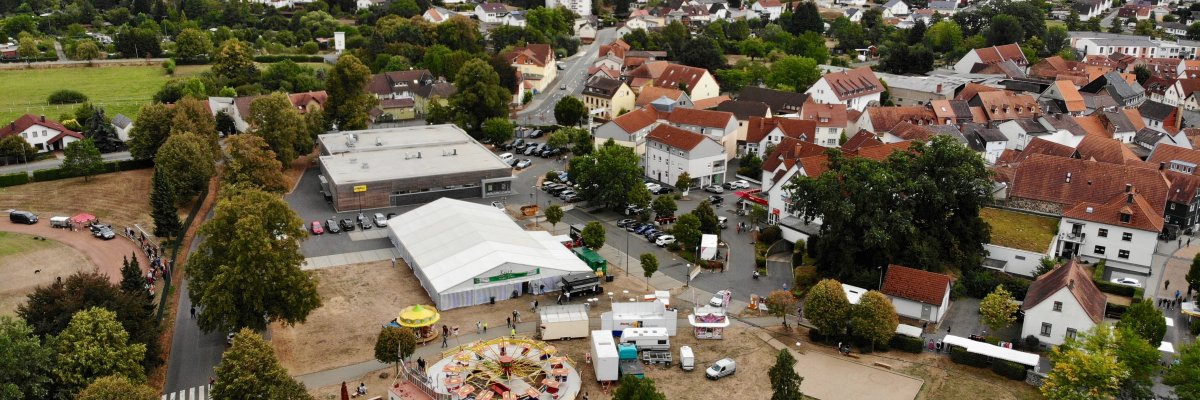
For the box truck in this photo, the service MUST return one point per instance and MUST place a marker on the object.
(563, 322)
(604, 358)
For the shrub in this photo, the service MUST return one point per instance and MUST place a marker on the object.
(14, 179)
(1009, 369)
(961, 356)
(1115, 310)
(551, 176)
(1098, 271)
(1032, 343)
(673, 247)
(958, 291)
(67, 96)
(770, 234)
(294, 57)
(1195, 328)
(907, 343)
(798, 252)
(760, 261)
(816, 336)
(806, 276)
(1119, 290)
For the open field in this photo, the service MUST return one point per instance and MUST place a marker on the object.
(1020, 230)
(120, 198)
(26, 263)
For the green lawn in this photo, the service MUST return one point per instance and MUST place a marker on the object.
(1020, 230)
(12, 243)
(120, 90)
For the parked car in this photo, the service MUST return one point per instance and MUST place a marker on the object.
(714, 189)
(507, 157)
(643, 228)
(380, 220)
(513, 162)
(654, 236)
(625, 222)
(332, 227)
(315, 228)
(718, 299)
(653, 187)
(664, 240)
(716, 200)
(633, 209)
(519, 145)
(23, 217)
(347, 224)
(665, 220)
(573, 198)
(566, 193)
(105, 233)
(537, 133)
(1127, 282)
(364, 222)
(549, 151)
(532, 149)
(663, 190)
(524, 163)
(720, 369)
(740, 184)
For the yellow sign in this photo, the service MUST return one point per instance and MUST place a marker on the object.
(360, 188)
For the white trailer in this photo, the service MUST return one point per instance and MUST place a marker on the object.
(647, 338)
(708, 247)
(563, 322)
(646, 314)
(605, 357)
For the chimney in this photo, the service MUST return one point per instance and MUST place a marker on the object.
(43, 118)
(1128, 187)
(1162, 165)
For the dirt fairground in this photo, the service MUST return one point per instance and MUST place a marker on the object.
(26, 263)
(119, 198)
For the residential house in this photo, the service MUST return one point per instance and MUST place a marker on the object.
(1005, 105)
(991, 55)
(764, 133)
(1055, 68)
(518, 18)
(1123, 231)
(1174, 28)
(398, 84)
(586, 30)
(719, 126)
(853, 14)
(238, 108)
(1124, 89)
(123, 125)
(917, 294)
(1052, 184)
(629, 130)
(402, 109)
(945, 7)
(769, 9)
(671, 152)
(436, 15)
(951, 112)
(856, 88)
(1066, 95)
(611, 96)
(537, 65)
(674, 98)
(41, 133)
(612, 55)
(579, 7)
(1062, 303)
(1160, 117)
(883, 119)
(781, 102)
(1088, 9)
(1182, 93)
(491, 13)
(831, 122)
(895, 8)
(987, 141)
(438, 92)
(697, 82)
(743, 111)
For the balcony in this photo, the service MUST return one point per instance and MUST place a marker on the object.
(1073, 237)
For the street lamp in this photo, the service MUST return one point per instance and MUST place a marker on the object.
(627, 235)
(535, 195)
(880, 268)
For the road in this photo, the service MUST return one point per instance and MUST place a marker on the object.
(57, 162)
(62, 56)
(540, 111)
(1107, 20)
(194, 354)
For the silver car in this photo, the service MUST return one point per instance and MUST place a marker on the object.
(380, 220)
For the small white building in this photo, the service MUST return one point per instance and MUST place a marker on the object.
(437, 15)
(1123, 232)
(856, 88)
(895, 8)
(720, 126)
(917, 294)
(1061, 303)
(41, 133)
(579, 7)
(645, 314)
(123, 125)
(491, 13)
(770, 9)
(708, 322)
(671, 151)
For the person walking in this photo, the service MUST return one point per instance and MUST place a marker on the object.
(1167, 284)
(514, 332)
(508, 322)
(485, 328)
(193, 312)
(478, 325)
(444, 341)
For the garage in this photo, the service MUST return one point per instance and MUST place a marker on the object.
(467, 254)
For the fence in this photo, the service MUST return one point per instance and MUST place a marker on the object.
(187, 224)
(420, 381)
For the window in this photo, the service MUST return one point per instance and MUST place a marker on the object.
(1046, 329)
(1102, 232)
(1127, 236)
(1070, 333)
(1123, 254)
(1125, 218)
(1099, 250)
(1058, 306)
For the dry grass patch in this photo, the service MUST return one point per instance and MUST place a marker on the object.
(26, 263)
(119, 198)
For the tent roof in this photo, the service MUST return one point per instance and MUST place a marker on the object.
(993, 351)
(908, 330)
(453, 241)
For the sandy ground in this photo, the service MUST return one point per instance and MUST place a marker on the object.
(120, 199)
(26, 263)
(106, 256)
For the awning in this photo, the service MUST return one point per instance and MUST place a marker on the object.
(908, 330)
(750, 195)
(82, 217)
(993, 351)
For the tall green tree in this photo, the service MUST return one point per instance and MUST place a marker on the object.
(87, 50)
(249, 370)
(25, 363)
(827, 308)
(394, 345)
(246, 272)
(554, 215)
(132, 281)
(191, 115)
(582, 142)
(235, 61)
(641, 197)
(117, 387)
(95, 345)
(593, 235)
(608, 175)
(634, 388)
(163, 199)
(479, 95)
(701, 52)
(805, 18)
(785, 382)
(874, 318)
(998, 309)
(664, 206)
(151, 130)
(683, 182)
(498, 130)
(349, 105)
(1101, 363)
(570, 111)
(649, 266)
(1183, 376)
(687, 231)
(82, 158)
(1193, 275)
(186, 163)
(793, 73)
(193, 44)
(708, 218)
(17, 147)
(252, 162)
(279, 124)
(100, 130)
(1145, 320)
(944, 36)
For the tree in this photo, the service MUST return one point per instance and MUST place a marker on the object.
(1057, 39)
(132, 282)
(683, 183)
(138, 43)
(687, 231)
(607, 176)
(709, 223)
(98, 129)
(82, 158)
(874, 318)
(235, 61)
(1145, 320)
(826, 307)
(1183, 376)
(757, 214)
(27, 47)
(593, 235)
(753, 47)
(640, 196)
(249, 369)
(1193, 275)
(793, 73)
(582, 142)
(1142, 74)
(25, 364)
(998, 310)
(151, 130)
(850, 35)
(1193, 31)
(784, 380)
(559, 138)
(806, 18)
(163, 198)
(94, 345)
(191, 115)
(781, 303)
(117, 387)
(634, 388)
(1073, 21)
(498, 130)
(186, 162)
(17, 147)
(701, 52)
(246, 272)
(554, 215)
(664, 206)
(87, 50)
(193, 44)
(570, 111)
(394, 345)
(944, 36)
(349, 105)
(1004, 29)
(252, 162)
(649, 266)
(1101, 363)
(479, 95)
(273, 118)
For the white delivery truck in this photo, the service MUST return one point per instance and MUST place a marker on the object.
(563, 322)
(687, 359)
(604, 356)
(647, 338)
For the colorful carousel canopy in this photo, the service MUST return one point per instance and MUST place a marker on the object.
(418, 316)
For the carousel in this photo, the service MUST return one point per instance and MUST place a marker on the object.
(505, 369)
(421, 319)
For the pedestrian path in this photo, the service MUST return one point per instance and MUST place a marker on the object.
(368, 235)
(196, 393)
(357, 257)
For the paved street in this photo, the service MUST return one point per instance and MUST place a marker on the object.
(540, 111)
(194, 354)
(57, 162)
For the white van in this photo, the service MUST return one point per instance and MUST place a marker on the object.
(723, 222)
(647, 338)
(506, 157)
(687, 359)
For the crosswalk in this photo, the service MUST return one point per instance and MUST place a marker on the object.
(195, 393)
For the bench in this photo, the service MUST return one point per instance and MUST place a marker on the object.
(883, 365)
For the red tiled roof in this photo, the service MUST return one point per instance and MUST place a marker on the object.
(705, 118)
(25, 121)
(1165, 153)
(883, 119)
(1141, 215)
(1070, 95)
(538, 54)
(617, 48)
(637, 119)
(860, 140)
(971, 89)
(1004, 105)
(788, 151)
(1010, 52)
(1043, 146)
(675, 74)
(1045, 178)
(917, 285)
(826, 115)
(1106, 149)
(675, 137)
(853, 83)
(652, 93)
(907, 131)
(1074, 278)
(711, 102)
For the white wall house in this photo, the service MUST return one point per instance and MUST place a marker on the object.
(719, 126)
(579, 7)
(895, 8)
(917, 294)
(629, 130)
(671, 151)
(1061, 303)
(856, 88)
(492, 13)
(771, 9)
(41, 133)
(1123, 232)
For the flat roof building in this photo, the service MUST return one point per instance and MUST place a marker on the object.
(398, 166)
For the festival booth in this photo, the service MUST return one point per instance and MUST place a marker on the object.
(993, 351)
(708, 322)
(505, 368)
(652, 314)
(908, 330)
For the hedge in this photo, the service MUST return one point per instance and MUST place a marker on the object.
(908, 343)
(1009, 369)
(66, 96)
(31, 59)
(1119, 290)
(115, 166)
(14, 179)
(294, 57)
(961, 356)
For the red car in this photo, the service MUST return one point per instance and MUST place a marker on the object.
(316, 228)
